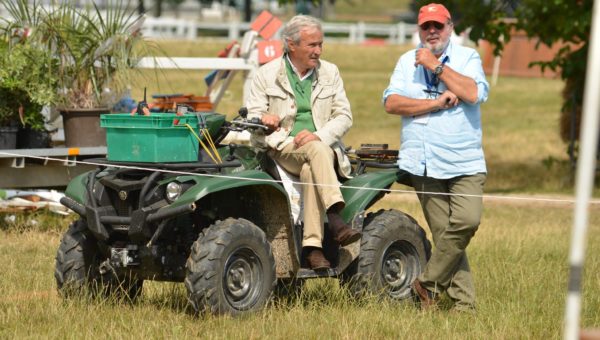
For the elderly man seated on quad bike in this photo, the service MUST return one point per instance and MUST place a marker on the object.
(302, 100)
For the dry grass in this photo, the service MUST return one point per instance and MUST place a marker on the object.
(519, 259)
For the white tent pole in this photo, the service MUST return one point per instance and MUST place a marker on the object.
(586, 166)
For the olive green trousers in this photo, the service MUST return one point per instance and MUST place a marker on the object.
(452, 208)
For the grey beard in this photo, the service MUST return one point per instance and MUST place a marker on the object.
(440, 47)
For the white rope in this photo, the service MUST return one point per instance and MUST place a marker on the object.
(396, 191)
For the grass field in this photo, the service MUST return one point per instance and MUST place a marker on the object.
(518, 257)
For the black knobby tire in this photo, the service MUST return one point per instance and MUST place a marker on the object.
(77, 268)
(393, 252)
(231, 269)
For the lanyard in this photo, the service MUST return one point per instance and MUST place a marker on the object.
(431, 86)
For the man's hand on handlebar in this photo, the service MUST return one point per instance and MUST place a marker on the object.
(271, 121)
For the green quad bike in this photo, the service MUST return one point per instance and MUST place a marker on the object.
(226, 230)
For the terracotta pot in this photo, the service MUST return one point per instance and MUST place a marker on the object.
(82, 127)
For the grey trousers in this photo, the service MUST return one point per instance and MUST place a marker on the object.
(453, 220)
(314, 163)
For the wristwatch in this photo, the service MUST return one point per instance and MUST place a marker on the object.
(438, 70)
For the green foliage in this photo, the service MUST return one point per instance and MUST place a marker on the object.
(551, 22)
(562, 21)
(95, 51)
(27, 83)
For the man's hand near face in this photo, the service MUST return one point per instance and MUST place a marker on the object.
(426, 58)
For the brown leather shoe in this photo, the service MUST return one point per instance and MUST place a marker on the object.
(342, 232)
(425, 297)
(316, 260)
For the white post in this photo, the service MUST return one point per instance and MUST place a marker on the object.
(253, 60)
(401, 33)
(361, 32)
(192, 30)
(180, 26)
(496, 69)
(352, 34)
(585, 178)
(234, 31)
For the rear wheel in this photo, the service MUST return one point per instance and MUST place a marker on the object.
(231, 269)
(393, 252)
(77, 268)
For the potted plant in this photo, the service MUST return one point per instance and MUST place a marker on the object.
(96, 52)
(27, 83)
(8, 127)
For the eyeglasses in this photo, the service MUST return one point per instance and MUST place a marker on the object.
(427, 25)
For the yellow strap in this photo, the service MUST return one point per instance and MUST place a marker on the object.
(211, 143)
(201, 143)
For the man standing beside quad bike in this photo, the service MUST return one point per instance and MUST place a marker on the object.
(438, 89)
(303, 102)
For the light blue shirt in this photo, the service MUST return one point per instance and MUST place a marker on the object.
(448, 142)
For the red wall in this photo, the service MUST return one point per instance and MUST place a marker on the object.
(517, 55)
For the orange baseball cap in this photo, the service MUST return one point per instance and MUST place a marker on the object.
(433, 12)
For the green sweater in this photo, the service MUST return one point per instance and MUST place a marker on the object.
(302, 92)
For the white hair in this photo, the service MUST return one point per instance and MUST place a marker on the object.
(292, 29)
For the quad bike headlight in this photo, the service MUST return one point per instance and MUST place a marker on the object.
(173, 191)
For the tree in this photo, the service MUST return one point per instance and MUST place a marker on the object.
(552, 22)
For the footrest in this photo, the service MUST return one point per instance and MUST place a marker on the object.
(305, 273)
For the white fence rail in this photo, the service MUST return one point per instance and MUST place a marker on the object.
(353, 33)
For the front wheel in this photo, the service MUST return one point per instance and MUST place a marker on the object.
(77, 268)
(231, 269)
(393, 252)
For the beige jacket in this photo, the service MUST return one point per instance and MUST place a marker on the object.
(272, 93)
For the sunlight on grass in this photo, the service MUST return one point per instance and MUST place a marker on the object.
(518, 257)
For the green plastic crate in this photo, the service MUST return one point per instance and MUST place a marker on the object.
(156, 138)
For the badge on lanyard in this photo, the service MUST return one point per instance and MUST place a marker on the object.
(431, 91)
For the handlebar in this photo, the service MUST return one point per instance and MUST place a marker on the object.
(248, 124)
